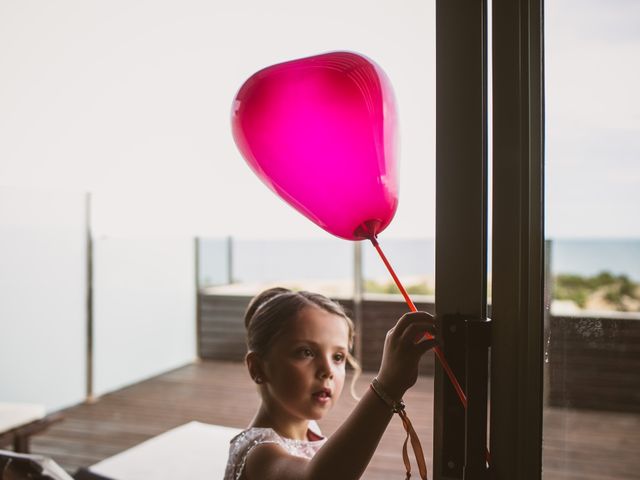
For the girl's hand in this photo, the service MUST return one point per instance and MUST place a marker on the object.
(403, 348)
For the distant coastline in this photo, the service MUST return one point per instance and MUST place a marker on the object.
(591, 256)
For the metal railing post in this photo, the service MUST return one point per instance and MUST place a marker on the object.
(357, 298)
(229, 259)
(89, 302)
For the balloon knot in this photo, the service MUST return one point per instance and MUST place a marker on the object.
(368, 230)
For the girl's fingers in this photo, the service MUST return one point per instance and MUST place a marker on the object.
(417, 330)
(422, 336)
(426, 345)
(411, 318)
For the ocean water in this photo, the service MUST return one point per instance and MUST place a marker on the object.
(591, 256)
(332, 258)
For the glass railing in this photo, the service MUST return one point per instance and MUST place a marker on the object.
(247, 266)
(82, 316)
(43, 296)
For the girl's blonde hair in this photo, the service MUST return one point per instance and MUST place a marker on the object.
(270, 312)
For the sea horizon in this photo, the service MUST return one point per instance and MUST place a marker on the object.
(255, 260)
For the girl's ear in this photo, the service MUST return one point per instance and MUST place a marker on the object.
(256, 367)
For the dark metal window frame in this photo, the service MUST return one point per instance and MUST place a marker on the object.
(517, 235)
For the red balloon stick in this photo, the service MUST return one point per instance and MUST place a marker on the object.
(436, 349)
(412, 307)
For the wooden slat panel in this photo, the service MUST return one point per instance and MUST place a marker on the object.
(594, 363)
(222, 333)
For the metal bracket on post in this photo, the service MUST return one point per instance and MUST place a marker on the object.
(477, 341)
(467, 341)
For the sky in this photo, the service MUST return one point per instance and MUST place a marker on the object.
(130, 100)
(592, 117)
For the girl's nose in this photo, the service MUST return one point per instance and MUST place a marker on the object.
(324, 369)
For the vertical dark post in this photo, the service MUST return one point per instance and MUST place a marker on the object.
(461, 205)
(477, 341)
(518, 240)
(21, 444)
(89, 299)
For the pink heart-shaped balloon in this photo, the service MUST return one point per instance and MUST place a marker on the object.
(321, 133)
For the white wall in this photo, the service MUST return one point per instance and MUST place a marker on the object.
(131, 100)
(144, 309)
(42, 297)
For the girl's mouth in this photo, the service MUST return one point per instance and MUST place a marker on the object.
(322, 396)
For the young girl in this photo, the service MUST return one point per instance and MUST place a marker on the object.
(299, 343)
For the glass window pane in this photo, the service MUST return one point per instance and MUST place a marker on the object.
(592, 351)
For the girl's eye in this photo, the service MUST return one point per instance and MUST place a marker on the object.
(305, 352)
(339, 357)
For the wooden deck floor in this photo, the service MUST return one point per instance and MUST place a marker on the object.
(578, 444)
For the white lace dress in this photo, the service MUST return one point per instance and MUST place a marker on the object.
(242, 444)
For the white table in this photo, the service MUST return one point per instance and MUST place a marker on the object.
(13, 415)
(19, 421)
(193, 450)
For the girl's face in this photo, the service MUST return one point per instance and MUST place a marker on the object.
(305, 367)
